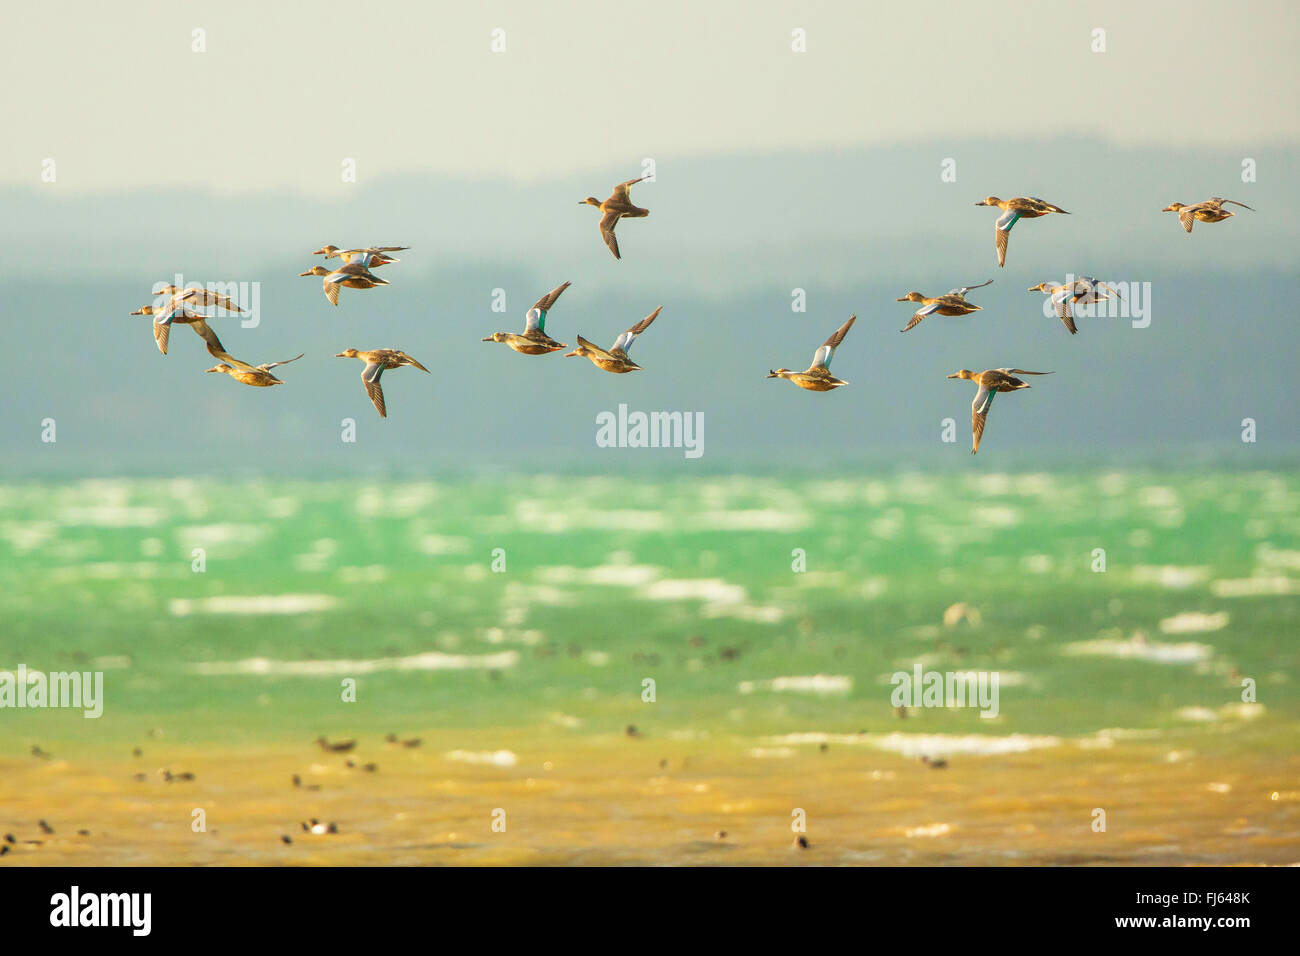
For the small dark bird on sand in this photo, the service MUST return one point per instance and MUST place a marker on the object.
(342, 746)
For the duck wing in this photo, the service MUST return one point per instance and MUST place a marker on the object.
(548, 300)
(215, 348)
(624, 341)
(370, 378)
(1002, 233)
(161, 333)
(826, 351)
(607, 224)
(918, 315)
(1061, 300)
(270, 365)
(620, 191)
(979, 413)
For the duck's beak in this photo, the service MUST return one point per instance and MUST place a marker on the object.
(341, 355)
(772, 374)
(322, 251)
(571, 354)
(215, 368)
(489, 339)
(307, 273)
(954, 375)
(140, 311)
(981, 203)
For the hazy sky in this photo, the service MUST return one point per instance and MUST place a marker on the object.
(286, 91)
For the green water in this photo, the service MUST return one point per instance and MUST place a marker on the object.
(608, 582)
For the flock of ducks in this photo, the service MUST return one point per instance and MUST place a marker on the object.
(1085, 290)
(354, 271)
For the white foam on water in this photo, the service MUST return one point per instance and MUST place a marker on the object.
(995, 516)
(615, 575)
(395, 501)
(543, 518)
(442, 544)
(429, 661)
(928, 662)
(1194, 622)
(1158, 496)
(771, 753)
(713, 590)
(1171, 576)
(28, 535)
(928, 830)
(1238, 711)
(500, 635)
(815, 684)
(929, 745)
(490, 758)
(1141, 650)
(1270, 557)
(112, 516)
(755, 519)
(1038, 563)
(755, 613)
(282, 507)
(114, 571)
(222, 534)
(318, 558)
(1275, 586)
(253, 604)
(1204, 714)
(822, 579)
(518, 594)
